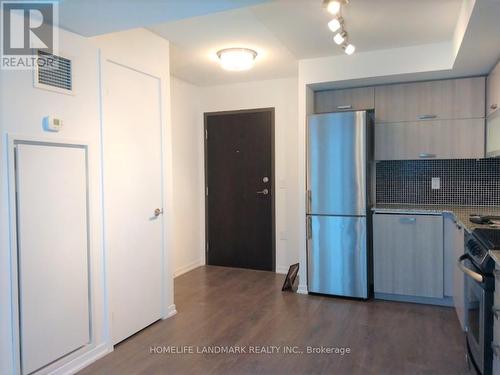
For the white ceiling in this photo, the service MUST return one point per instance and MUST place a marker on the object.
(284, 31)
(372, 24)
(95, 17)
(195, 41)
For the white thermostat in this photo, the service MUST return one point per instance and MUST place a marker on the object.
(52, 124)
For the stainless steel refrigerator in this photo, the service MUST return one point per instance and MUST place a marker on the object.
(337, 203)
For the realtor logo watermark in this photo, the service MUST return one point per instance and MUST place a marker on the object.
(28, 27)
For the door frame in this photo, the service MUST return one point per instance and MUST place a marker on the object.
(270, 110)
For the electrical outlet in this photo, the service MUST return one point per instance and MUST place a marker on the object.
(436, 183)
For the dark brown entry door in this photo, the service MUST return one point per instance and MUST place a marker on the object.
(239, 178)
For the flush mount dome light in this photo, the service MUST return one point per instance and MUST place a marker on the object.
(236, 59)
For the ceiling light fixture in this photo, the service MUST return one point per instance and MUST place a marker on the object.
(335, 24)
(340, 37)
(349, 49)
(236, 59)
(333, 7)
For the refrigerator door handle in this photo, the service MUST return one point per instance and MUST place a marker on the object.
(308, 201)
(309, 228)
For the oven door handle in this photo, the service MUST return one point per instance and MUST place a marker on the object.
(476, 276)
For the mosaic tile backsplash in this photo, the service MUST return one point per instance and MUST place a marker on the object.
(466, 182)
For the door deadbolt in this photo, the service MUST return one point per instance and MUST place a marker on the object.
(265, 179)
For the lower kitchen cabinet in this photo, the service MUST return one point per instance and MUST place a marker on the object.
(408, 255)
(454, 281)
(440, 139)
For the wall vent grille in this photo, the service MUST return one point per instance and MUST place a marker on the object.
(54, 73)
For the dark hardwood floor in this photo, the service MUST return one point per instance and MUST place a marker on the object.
(235, 307)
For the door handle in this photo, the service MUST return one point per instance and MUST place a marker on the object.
(309, 228)
(263, 192)
(425, 155)
(158, 212)
(308, 201)
(426, 117)
(474, 275)
(408, 220)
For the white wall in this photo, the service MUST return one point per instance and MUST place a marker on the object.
(189, 104)
(187, 149)
(22, 110)
(282, 95)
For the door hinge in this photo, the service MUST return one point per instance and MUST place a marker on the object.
(206, 133)
(207, 247)
(206, 190)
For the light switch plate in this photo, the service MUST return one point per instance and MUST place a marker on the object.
(436, 183)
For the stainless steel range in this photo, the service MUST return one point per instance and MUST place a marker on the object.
(478, 267)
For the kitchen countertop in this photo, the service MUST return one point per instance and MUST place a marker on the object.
(460, 213)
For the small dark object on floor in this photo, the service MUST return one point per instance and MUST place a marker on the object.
(290, 277)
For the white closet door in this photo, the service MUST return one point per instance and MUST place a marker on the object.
(132, 191)
(52, 252)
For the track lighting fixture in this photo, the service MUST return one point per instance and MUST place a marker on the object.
(336, 25)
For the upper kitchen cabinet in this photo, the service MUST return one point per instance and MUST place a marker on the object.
(493, 90)
(436, 139)
(344, 100)
(433, 100)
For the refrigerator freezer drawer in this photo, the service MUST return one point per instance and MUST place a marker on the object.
(337, 256)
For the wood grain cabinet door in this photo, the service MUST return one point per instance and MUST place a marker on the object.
(493, 90)
(439, 139)
(344, 100)
(408, 255)
(431, 100)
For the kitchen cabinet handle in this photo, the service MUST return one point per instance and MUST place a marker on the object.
(426, 117)
(407, 220)
(496, 349)
(344, 106)
(496, 312)
(425, 155)
(494, 106)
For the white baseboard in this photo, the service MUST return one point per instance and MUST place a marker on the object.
(83, 360)
(302, 289)
(282, 270)
(188, 267)
(171, 311)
